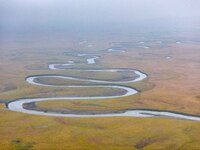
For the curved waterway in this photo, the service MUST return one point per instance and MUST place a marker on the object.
(17, 105)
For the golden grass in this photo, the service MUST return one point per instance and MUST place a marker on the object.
(22, 131)
(172, 85)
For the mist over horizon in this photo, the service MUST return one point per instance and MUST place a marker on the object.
(97, 16)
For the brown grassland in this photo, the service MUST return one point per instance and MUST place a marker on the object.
(172, 84)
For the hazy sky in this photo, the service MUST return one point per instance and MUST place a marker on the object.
(25, 14)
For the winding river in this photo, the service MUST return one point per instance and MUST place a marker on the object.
(17, 105)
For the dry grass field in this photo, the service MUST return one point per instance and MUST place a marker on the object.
(173, 84)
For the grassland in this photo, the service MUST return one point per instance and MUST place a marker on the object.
(23, 132)
(173, 84)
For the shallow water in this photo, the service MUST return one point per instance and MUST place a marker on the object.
(18, 104)
(92, 60)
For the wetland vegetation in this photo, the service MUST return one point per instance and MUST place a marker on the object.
(104, 75)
